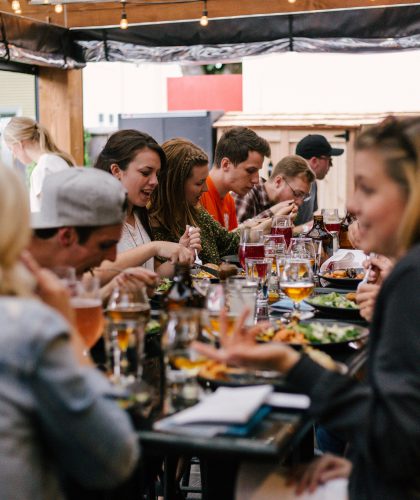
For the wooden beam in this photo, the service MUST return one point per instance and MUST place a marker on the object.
(148, 11)
(61, 108)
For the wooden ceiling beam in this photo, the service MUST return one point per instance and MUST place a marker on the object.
(108, 14)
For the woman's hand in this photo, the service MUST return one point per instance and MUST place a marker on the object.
(174, 252)
(133, 278)
(319, 471)
(49, 288)
(241, 349)
(191, 238)
(366, 298)
(380, 266)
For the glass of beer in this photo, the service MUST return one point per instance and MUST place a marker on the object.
(282, 224)
(87, 305)
(297, 281)
(332, 221)
(251, 244)
(128, 312)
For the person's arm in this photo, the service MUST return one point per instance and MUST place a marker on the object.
(227, 241)
(90, 438)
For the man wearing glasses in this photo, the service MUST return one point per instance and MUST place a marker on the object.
(318, 152)
(287, 188)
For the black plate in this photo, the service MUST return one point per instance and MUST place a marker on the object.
(336, 312)
(231, 259)
(334, 346)
(348, 283)
(243, 380)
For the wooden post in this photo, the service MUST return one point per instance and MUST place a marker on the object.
(61, 108)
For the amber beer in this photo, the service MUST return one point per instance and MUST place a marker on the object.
(297, 291)
(189, 364)
(214, 320)
(89, 318)
(124, 319)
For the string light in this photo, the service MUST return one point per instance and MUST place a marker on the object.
(204, 20)
(18, 12)
(123, 21)
(291, 1)
(58, 8)
(16, 5)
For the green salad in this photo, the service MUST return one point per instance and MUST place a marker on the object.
(333, 299)
(164, 285)
(152, 326)
(321, 333)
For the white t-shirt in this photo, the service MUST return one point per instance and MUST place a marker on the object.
(133, 237)
(48, 163)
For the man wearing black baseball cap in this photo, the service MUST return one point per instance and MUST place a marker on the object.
(318, 152)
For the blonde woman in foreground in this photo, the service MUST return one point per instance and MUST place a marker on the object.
(51, 398)
(31, 143)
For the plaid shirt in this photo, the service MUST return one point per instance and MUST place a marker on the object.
(254, 204)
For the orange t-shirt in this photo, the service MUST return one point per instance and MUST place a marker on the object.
(221, 209)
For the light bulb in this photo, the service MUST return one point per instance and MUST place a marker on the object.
(18, 12)
(204, 20)
(46, 2)
(58, 8)
(16, 5)
(123, 22)
(291, 1)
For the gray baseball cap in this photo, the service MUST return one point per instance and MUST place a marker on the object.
(80, 196)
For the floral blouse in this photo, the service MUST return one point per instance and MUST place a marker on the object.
(216, 241)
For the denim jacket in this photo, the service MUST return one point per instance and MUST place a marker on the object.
(55, 415)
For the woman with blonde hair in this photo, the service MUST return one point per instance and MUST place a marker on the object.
(379, 416)
(51, 397)
(175, 203)
(30, 142)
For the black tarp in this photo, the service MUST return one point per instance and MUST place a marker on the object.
(354, 30)
(31, 42)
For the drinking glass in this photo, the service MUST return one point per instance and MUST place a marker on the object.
(274, 244)
(217, 300)
(331, 219)
(259, 271)
(303, 248)
(240, 294)
(297, 281)
(87, 305)
(182, 362)
(282, 224)
(128, 312)
(251, 244)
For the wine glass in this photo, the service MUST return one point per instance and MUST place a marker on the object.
(259, 271)
(251, 244)
(128, 312)
(282, 224)
(303, 248)
(87, 305)
(297, 282)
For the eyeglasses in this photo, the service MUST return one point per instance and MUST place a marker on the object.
(326, 158)
(298, 194)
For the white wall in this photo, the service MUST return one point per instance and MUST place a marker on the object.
(112, 88)
(318, 83)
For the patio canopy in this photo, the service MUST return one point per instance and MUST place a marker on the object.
(224, 39)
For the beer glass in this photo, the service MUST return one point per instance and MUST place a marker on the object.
(87, 305)
(128, 312)
(297, 282)
(251, 244)
(282, 224)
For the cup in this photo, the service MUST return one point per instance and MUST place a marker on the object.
(242, 294)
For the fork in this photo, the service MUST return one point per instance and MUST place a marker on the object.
(197, 260)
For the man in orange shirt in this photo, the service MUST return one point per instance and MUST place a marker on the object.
(238, 159)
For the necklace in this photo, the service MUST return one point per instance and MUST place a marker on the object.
(137, 230)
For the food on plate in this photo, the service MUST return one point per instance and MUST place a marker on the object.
(324, 359)
(210, 265)
(310, 333)
(153, 326)
(351, 296)
(164, 285)
(214, 370)
(350, 272)
(334, 299)
(201, 274)
(227, 270)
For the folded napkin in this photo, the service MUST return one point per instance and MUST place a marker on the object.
(287, 305)
(343, 259)
(217, 412)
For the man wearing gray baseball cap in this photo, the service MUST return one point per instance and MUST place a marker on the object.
(80, 221)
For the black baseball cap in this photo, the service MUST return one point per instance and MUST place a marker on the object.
(316, 145)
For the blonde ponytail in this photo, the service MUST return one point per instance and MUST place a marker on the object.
(21, 128)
